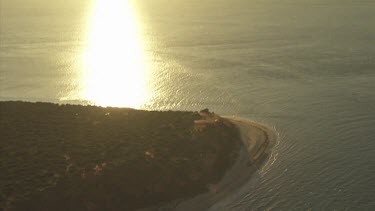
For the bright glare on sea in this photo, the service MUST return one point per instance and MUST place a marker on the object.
(306, 68)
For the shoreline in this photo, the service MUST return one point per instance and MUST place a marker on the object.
(148, 160)
(257, 142)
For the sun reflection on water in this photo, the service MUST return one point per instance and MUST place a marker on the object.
(115, 66)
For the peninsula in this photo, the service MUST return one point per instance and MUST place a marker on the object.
(74, 157)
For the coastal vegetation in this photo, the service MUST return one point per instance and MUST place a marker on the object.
(74, 157)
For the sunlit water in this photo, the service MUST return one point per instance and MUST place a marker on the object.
(307, 69)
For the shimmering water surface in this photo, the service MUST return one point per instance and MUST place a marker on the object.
(306, 68)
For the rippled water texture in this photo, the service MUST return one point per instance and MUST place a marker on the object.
(307, 69)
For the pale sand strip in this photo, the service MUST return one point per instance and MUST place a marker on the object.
(257, 141)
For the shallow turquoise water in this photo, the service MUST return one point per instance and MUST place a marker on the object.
(306, 69)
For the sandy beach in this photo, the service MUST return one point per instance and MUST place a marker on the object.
(257, 143)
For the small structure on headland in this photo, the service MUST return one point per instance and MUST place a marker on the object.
(209, 119)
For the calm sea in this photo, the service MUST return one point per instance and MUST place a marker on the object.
(306, 68)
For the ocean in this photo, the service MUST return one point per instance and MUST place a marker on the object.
(305, 68)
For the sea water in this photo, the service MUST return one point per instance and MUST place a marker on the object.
(306, 68)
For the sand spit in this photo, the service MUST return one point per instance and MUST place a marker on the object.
(258, 141)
